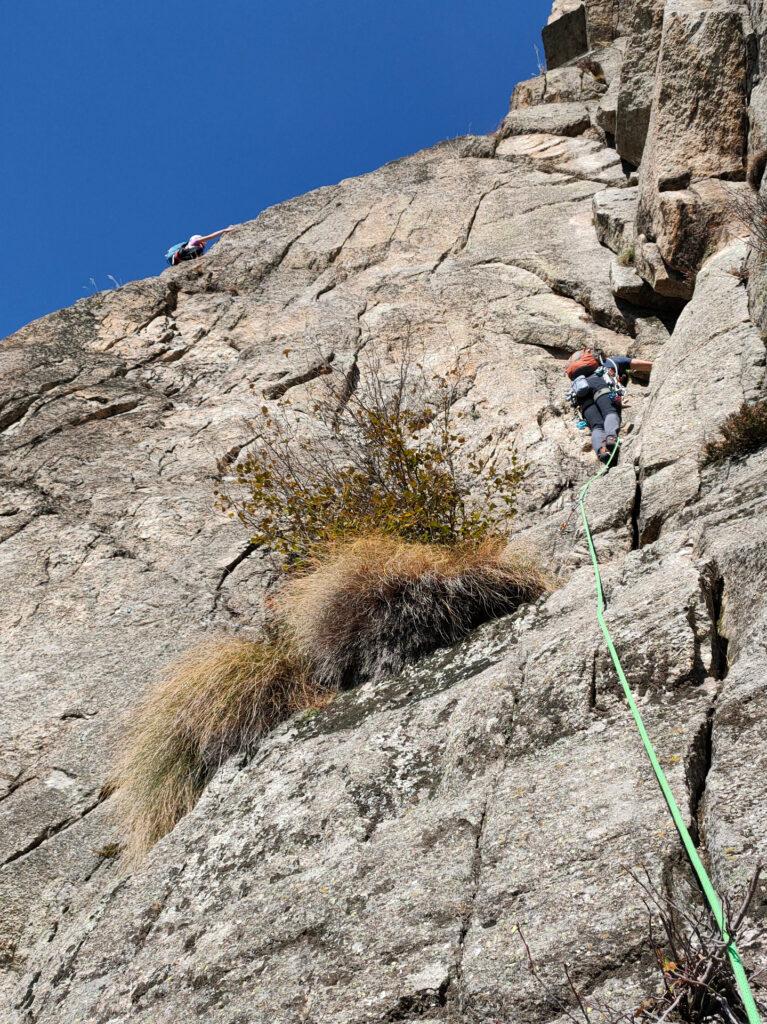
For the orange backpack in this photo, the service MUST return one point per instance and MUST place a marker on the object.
(579, 363)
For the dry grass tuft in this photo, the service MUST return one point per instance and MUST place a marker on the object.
(360, 610)
(214, 702)
(742, 432)
(627, 256)
(368, 607)
(750, 208)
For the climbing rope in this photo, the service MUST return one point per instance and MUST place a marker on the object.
(705, 882)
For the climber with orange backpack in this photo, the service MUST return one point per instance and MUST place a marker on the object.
(183, 251)
(597, 390)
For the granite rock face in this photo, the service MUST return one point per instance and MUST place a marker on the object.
(373, 862)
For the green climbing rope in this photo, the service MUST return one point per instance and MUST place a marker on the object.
(705, 882)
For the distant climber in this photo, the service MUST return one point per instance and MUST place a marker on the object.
(183, 251)
(597, 391)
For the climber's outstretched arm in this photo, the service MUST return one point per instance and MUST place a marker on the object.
(216, 234)
(643, 366)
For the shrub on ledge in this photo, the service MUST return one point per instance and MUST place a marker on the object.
(384, 454)
(743, 432)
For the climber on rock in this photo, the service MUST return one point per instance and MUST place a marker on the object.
(597, 391)
(195, 247)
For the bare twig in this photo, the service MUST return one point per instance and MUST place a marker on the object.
(748, 899)
(576, 994)
(698, 984)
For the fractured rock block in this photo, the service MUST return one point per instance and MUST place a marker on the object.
(552, 118)
(649, 264)
(566, 37)
(583, 158)
(697, 130)
(614, 214)
(627, 285)
(562, 85)
(698, 121)
(602, 20)
(690, 224)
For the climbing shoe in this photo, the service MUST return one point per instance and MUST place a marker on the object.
(610, 442)
(603, 454)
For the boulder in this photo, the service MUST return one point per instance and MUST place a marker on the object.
(565, 37)
(651, 267)
(626, 284)
(552, 118)
(614, 214)
(563, 85)
(581, 157)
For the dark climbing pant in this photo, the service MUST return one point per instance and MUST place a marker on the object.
(604, 419)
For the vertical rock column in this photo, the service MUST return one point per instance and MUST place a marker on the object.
(644, 23)
(697, 136)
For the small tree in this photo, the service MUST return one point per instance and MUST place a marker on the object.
(383, 454)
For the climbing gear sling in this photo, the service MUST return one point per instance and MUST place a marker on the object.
(706, 885)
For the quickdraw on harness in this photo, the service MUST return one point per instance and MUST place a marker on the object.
(580, 389)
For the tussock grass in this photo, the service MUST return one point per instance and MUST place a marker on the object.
(742, 432)
(360, 610)
(368, 607)
(215, 701)
(627, 256)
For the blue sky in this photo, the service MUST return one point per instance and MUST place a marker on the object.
(128, 127)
